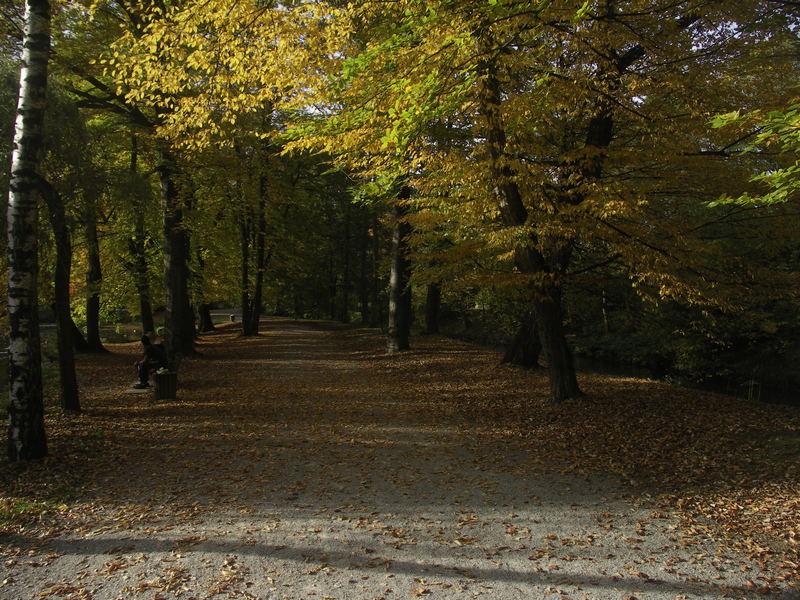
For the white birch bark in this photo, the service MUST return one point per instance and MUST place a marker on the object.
(26, 439)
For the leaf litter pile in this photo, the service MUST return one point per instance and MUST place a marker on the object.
(305, 463)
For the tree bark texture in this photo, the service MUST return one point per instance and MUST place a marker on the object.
(179, 319)
(399, 326)
(70, 400)
(26, 433)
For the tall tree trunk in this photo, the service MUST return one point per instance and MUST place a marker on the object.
(344, 309)
(363, 278)
(205, 322)
(525, 348)
(179, 319)
(70, 400)
(244, 269)
(137, 246)
(261, 259)
(142, 283)
(333, 280)
(26, 433)
(375, 312)
(433, 303)
(399, 328)
(550, 323)
(528, 259)
(94, 279)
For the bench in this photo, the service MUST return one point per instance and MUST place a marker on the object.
(166, 381)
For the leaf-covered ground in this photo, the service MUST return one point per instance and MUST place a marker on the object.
(305, 463)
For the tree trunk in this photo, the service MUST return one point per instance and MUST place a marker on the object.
(137, 248)
(70, 400)
(78, 341)
(244, 269)
(525, 348)
(261, 259)
(143, 288)
(344, 310)
(433, 303)
(375, 312)
(26, 433)
(364, 278)
(332, 284)
(179, 319)
(94, 279)
(550, 322)
(527, 258)
(399, 328)
(206, 322)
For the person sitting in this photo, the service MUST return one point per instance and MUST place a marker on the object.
(155, 357)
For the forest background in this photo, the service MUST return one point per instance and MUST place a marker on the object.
(612, 179)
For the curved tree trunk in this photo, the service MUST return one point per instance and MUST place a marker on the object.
(70, 400)
(179, 320)
(399, 328)
(26, 433)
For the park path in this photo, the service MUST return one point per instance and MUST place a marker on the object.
(302, 465)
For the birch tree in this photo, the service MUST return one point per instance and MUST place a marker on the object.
(26, 435)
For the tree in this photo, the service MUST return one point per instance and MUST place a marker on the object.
(137, 244)
(145, 113)
(588, 127)
(70, 400)
(778, 129)
(581, 124)
(399, 327)
(27, 438)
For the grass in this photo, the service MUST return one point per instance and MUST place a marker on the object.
(17, 512)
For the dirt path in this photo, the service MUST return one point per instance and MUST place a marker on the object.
(298, 465)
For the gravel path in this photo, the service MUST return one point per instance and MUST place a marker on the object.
(313, 482)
